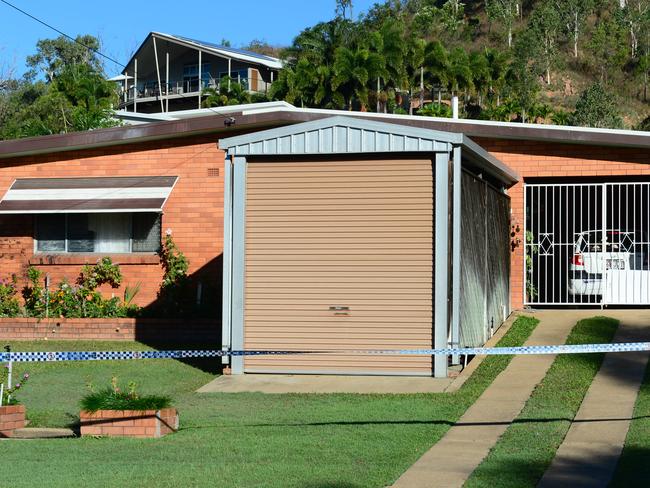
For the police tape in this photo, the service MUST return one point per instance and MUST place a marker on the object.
(41, 356)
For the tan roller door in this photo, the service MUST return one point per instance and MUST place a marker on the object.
(324, 234)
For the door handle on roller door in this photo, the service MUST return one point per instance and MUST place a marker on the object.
(339, 309)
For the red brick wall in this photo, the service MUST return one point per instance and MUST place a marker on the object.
(194, 211)
(11, 417)
(129, 423)
(545, 160)
(160, 331)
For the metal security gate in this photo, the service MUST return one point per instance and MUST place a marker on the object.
(587, 244)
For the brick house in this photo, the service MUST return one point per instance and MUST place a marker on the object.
(552, 160)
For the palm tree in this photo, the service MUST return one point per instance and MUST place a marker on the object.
(459, 74)
(353, 70)
(436, 65)
(414, 66)
(480, 74)
(388, 42)
(498, 65)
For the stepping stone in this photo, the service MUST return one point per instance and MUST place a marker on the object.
(42, 433)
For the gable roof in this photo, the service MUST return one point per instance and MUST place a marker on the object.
(211, 48)
(349, 135)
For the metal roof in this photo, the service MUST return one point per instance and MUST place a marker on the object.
(223, 51)
(349, 135)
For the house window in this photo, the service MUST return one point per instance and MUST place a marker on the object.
(191, 76)
(106, 233)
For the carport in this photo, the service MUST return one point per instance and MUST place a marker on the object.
(350, 234)
(587, 242)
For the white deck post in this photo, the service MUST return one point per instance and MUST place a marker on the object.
(167, 82)
(135, 87)
(200, 79)
(155, 53)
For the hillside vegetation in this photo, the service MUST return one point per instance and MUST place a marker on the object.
(582, 62)
(575, 62)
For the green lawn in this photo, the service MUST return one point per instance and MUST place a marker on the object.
(633, 468)
(528, 446)
(233, 439)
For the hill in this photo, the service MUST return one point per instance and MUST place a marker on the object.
(506, 59)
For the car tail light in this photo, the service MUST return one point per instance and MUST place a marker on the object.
(577, 260)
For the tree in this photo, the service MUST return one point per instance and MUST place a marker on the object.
(229, 92)
(635, 15)
(342, 7)
(505, 12)
(480, 74)
(608, 47)
(436, 65)
(522, 77)
(353, 69)
(452, 15)
(53, 55)
(597, 108)
(546, 25)
(498, 63)
(574, 14)
(643, 69)
(459, 73)
(75, 95)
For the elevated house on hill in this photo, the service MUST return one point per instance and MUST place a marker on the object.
(169, 73)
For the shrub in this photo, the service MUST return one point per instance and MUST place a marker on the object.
(116, 398)
(435, 110)
(174, 296)
(9, 306)
(80, 300)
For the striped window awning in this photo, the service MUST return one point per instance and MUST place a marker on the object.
(87, 195)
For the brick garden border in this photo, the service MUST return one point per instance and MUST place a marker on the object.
(11, 417)
(159, 331)
(129, 423)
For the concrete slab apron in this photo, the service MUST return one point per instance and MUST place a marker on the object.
(453, 459)
(590, 451)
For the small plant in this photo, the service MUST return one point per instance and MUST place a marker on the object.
(115, 398)
(9, 306)
(33, 293)
(81, 299)
(174, 263)
(8, 397)
(532, 249)
(101, 273)
(435, 110)
(174, 296)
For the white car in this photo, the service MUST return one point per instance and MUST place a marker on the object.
(592, 256)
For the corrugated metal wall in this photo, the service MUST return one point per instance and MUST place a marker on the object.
(485, 260)
(356, 234)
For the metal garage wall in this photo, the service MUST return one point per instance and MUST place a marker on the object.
(339, 255)
(485, 260)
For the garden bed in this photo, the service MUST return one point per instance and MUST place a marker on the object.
(129, 423)
(12, 417)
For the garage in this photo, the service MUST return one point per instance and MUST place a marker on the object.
(345, 235)
(587, 243)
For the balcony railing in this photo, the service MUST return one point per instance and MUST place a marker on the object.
(180, 89)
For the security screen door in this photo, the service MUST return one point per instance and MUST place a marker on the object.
(587, 244)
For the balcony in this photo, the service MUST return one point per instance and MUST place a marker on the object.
(152, 91)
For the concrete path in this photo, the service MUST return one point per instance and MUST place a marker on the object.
(453, 459)
(273, 383)
(590, 451)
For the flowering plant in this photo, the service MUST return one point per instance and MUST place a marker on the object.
(116, 398)
(8, 397)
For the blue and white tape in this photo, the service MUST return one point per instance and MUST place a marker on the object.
(181, 354)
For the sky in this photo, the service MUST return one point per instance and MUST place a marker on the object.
(122, 26)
